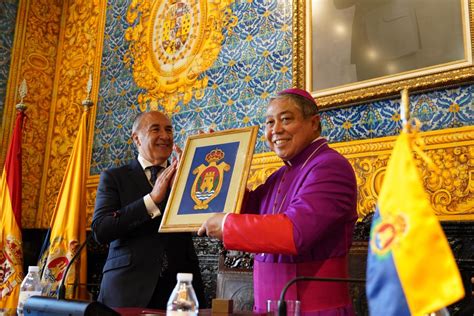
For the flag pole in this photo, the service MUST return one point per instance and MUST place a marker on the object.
(87, 103)
(405, 109)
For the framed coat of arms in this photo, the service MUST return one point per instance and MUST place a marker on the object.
(211, 178)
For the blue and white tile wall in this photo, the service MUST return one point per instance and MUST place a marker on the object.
(8, 10)
(255, 62)
(439, 109)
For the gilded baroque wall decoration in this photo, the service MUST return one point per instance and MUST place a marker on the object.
(254, 62)
(34, 59)
(451, 192)
(79, 51)
(171, 43)
(91, 190)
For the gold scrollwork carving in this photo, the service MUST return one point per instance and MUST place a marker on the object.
(369, 173)
(36, 57)
(78, 44)
(91, 190)
(451, 192)
(422, 82)
(299, 60)
(171, 44)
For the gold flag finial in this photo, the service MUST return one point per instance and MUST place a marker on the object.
(22, 91)
(87, 103)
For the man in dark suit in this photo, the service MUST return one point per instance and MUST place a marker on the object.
(142, 264)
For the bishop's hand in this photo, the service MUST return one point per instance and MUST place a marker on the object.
(212, 227)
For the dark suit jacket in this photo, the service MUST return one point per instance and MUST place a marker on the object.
(133, 265)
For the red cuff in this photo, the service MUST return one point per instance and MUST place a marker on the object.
(259, 233)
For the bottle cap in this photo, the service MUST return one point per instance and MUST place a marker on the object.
(187, 277)
(33, 269)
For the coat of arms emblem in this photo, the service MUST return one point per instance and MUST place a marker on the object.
(208, 182)
(11, 259)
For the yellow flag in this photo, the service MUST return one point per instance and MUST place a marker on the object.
(11, 253)
(411, 269)
(68, 225)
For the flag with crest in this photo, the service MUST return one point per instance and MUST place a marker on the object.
(411, 269)
(11, 253)
(68, 224)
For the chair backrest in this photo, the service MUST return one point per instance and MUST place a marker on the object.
(236, 282)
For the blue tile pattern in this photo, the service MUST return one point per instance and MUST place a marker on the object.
(117, 102)
(439, 109)
(8, 10)
(254, 63)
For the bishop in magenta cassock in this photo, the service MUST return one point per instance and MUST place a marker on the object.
(300, 221)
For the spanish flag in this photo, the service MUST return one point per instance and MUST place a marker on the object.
(68, 224)
(411, 269)
(11, 253)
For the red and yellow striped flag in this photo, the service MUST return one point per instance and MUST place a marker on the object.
(11, 253)
(68, 225)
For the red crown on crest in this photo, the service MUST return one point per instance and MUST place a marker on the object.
(215, 155)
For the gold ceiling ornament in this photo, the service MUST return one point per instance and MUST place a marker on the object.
(171, 43)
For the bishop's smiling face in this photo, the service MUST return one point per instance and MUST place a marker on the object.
(287, 131)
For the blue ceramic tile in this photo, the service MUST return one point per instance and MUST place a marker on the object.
(8, 10)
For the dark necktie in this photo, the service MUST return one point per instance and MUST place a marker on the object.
(154, 173)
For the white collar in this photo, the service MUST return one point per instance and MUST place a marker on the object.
(145, 163)
(314, 140)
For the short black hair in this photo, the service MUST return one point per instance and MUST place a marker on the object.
(307, 107)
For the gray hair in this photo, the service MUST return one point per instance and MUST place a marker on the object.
(137, 122)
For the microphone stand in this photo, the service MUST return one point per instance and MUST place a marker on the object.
(61, 291)
(282, 303)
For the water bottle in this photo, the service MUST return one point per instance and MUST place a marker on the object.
(30, 286)
(442, 312)
(183, 301)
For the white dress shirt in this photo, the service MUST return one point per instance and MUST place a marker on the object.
(150, 205)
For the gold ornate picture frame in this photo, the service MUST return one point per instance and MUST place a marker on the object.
(347, 16)
(211, 178)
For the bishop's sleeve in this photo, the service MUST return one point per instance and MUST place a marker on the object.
(259, 233)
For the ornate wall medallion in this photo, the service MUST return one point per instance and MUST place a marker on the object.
(171, 43)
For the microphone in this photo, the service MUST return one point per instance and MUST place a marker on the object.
(43, 305)
(61, 291)
(282, 303)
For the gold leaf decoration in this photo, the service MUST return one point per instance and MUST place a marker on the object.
(451, 192)
(37, 66)
(79, 44)
(171, 44)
